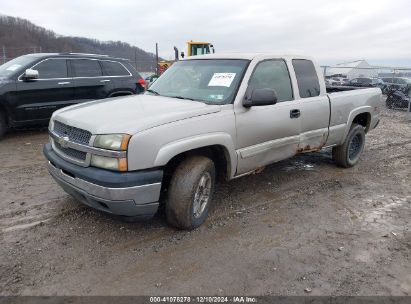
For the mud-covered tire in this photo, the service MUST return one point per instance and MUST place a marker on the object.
(348, 154)
(183, 192)
(389, 103)
(3, 124)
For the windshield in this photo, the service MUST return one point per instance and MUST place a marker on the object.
(213, 81)
(15, 65)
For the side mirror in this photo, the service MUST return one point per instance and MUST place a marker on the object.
(259, 97)
(31, 74)
(182, 54)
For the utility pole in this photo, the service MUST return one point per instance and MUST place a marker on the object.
(135, 57)
(4, 54)
(157, 58)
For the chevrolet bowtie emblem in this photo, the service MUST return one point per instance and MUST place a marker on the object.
(63, 141)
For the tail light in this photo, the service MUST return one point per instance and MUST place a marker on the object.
(142, 82)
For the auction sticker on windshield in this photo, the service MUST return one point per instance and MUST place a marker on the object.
(221, 79)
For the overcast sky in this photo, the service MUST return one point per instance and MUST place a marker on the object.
(330, 30)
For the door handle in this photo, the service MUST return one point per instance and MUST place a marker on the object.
(295, 113)
(105, 80)
(64, 83)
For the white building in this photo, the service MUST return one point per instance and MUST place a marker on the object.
(353, 69)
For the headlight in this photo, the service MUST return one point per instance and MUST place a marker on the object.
(109, 163)
(51, 124)
(118, 142)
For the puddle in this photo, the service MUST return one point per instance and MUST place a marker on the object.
(299, 165)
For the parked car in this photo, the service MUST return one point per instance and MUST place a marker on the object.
(366, 82)
(209, 116)
(340, 80)
(151, 79)
(33, 86)
(331, 82)
(398, 98)
(393, 83)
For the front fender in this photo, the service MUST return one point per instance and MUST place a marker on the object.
(172, 149)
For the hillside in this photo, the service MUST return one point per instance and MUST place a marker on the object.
(20, 36)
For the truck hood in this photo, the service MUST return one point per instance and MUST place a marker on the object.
(131, 114)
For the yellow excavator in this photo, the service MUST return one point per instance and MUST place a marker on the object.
(198, 48)
(194, 48)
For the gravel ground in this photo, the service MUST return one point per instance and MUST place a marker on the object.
(300, 225)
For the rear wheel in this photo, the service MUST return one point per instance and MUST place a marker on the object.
(389, 103)
(3, 124)
(190, 193)
(348, 154)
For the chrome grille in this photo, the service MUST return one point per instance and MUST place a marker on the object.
(72, 153)
(74, 134)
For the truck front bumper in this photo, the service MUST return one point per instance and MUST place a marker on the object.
(133, 194)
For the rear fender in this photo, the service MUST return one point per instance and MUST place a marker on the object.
(351, 117)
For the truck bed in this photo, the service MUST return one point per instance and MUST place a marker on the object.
(345, 103)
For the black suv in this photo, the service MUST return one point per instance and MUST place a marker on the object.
(33, 86)
(395, 83)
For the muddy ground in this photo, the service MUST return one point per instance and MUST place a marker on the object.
(302, 223)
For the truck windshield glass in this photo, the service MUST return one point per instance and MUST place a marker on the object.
(213, 81)
(15, 65)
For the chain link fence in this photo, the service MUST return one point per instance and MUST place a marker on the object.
(394, 82)
(8, 53)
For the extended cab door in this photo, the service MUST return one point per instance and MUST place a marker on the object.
(314, 106)
(37, 99)
(89, 82)
(266, 134)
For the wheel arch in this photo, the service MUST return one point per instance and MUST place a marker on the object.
(218, 147)
(121, 93)
(363, 119)
(361, 116)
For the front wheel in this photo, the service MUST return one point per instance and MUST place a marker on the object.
(190, 193)
(3, 124)
(348, 154)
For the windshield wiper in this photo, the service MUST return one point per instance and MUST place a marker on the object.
(154, 92)
(182, 97)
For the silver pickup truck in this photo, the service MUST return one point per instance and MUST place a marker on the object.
(208, 116)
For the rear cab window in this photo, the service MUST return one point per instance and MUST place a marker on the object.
(86, 68)
(307, 78)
